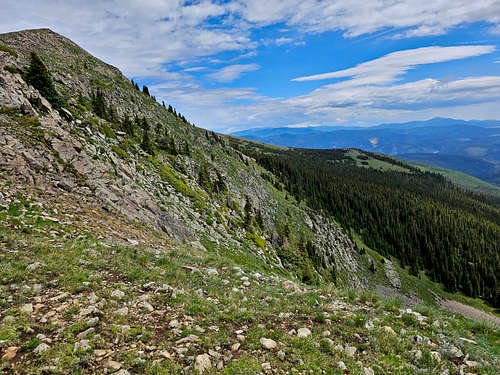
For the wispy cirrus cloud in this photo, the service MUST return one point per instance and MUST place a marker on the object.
(232, 72)
(388, 68)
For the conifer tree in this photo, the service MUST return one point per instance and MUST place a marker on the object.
(38, 76)
(248, 209)
(146, 143)
(128, 126)
(99, 105)
(145, 90)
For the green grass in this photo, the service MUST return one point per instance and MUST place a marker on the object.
(461, 179)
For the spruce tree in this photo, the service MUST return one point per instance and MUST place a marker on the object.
(128, 126)
(145, 90)
(147, 144)
(38, 76)
(99, 104)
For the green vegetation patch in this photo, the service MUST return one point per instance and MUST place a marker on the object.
(9, 50)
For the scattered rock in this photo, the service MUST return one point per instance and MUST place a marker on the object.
(468, 340)
(26, 308)
(113, 365)
(303, 332)
(471, 363)
(368, 371)
(455, 352)
(212, 272)
(10, 353)
(350, 351)
(83, 345)
(339, 347)
(341, 365)
(123, 311)
(268, 344)
(389, 330)
(174, 323)
(202, 363)
(93, 321)
(34, 266)
(117, 294)
(43, 347)
(417, 354)
(85, 333)
(235, 347)
(240, 338)
(266, 366)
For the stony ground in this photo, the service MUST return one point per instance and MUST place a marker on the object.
(82, 292)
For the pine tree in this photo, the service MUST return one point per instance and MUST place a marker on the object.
(187, 150)
(128, 126)
(38, 76)
(172, 147)
(204, 179)
(146, 143)
(221, 186)
(248, 209)
(145, 90)
(99, 105)
(259, 220)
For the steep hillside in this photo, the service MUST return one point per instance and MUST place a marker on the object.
(398, 210)
(191, 184)
(132, 242)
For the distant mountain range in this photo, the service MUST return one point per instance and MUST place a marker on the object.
(472, 147)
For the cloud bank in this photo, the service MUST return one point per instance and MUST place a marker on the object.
(146, 38)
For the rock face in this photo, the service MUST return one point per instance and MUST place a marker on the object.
(76, 153)
(392, 275)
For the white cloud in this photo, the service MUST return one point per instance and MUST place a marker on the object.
(388, 68)
(195, 69)
(142, 38)
(137, 36)
(358, 17)
(232, 72)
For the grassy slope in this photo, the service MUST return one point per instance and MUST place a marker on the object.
(461, 179)
(84, 263)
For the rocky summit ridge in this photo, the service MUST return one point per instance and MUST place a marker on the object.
(181, 257)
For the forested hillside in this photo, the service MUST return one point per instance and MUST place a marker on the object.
(421, 218)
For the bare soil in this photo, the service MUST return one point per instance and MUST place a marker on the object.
(468, 311)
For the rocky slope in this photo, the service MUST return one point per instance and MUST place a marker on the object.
(75, 151)
(187, 259)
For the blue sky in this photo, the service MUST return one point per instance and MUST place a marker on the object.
(236, 64)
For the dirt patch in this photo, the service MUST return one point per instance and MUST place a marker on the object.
(468, 311)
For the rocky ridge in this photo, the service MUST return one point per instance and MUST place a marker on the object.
(72, 151)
